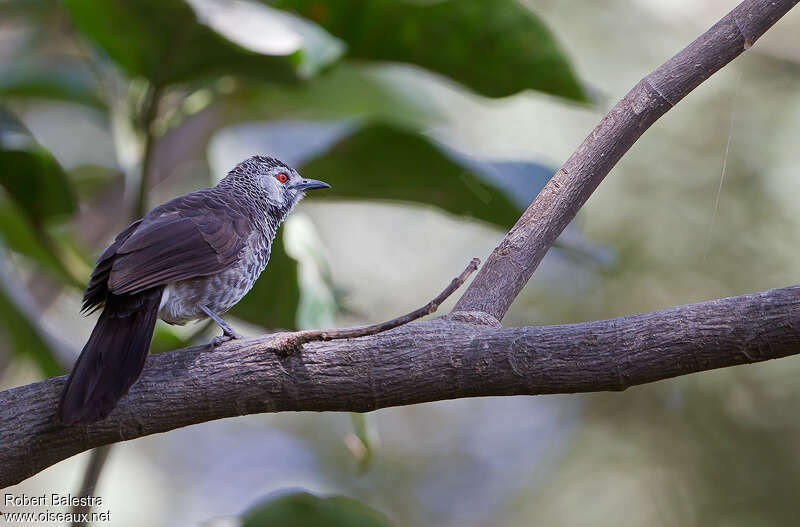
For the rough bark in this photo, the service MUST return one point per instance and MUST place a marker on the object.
(420, 362)
(513, 262)
(466, 354)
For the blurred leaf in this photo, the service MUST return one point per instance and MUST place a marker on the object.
(31, 175)
(294, 142)
(19, 320)
(360, 441)
(66, 81)
(349, 91)
(39, 7)
(496, 48)
(384, 162)
(520, 181)
(166, 339)
(472, 186)
(317, 307)
(93, 181)
(380, 162)
(167, 41)
(20, 236)
(273, 301)
(302, 509)
(36, 190)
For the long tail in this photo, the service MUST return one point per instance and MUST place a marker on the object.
(112, 359)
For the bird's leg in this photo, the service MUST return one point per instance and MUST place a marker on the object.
(227, 332)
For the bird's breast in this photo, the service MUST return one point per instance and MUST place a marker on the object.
(219, 292)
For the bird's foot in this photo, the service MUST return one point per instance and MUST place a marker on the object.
(221, 339)
(231, 334)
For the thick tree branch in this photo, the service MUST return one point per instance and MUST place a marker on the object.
(423, 361)
(513, 262)
(465, 354)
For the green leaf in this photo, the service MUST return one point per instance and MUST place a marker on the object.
(317, 307)
(476, 186)
(31, 175)
(381, 162)
(19, 235)
(171, 41)
(388, 163)
(346, 92)
(36, 190)
(65, 81)
(166, 338)
(18, 319)
(273, 301)
(93, 182)
(302, 509)
(496, 48)
(363, 436)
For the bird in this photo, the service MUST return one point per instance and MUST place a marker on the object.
(191, 258)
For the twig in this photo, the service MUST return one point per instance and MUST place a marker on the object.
(97, 460)
(293, 341)
(149, 115)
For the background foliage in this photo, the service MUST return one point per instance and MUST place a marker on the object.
(436, 123)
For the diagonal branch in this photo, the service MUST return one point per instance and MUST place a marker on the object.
(419, 362)
(513, 262)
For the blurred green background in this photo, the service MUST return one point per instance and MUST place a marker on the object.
(436, 123)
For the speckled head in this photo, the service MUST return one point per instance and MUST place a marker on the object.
(272, 182)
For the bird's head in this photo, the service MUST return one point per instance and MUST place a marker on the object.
(274, 183)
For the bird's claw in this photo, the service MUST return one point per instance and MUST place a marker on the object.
(231, 334)
(221, 339)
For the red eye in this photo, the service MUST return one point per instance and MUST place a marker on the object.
(283, 178)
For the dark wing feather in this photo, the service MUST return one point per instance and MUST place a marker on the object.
(186, 238)
(194, 235)
(97, 290)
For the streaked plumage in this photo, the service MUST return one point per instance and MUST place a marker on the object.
(206, 248)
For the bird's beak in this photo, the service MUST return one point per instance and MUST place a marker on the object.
(310, 184)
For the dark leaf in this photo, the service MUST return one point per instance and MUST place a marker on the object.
(36, 191)
(18, 318)
(166, 339)
(349, 91)
(302, 509)
(167, 42)
(66, 81)
(388, 163)
(92, 182)
(380, 162)
(31, 176)
(496, 48)
(18, 234)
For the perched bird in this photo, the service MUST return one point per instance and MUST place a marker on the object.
(190, 258)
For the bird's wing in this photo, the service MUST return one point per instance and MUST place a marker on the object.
(97, 290)
(189, 237)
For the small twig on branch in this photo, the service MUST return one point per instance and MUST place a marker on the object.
(150, 113)
(293, 341)
(97, 460)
